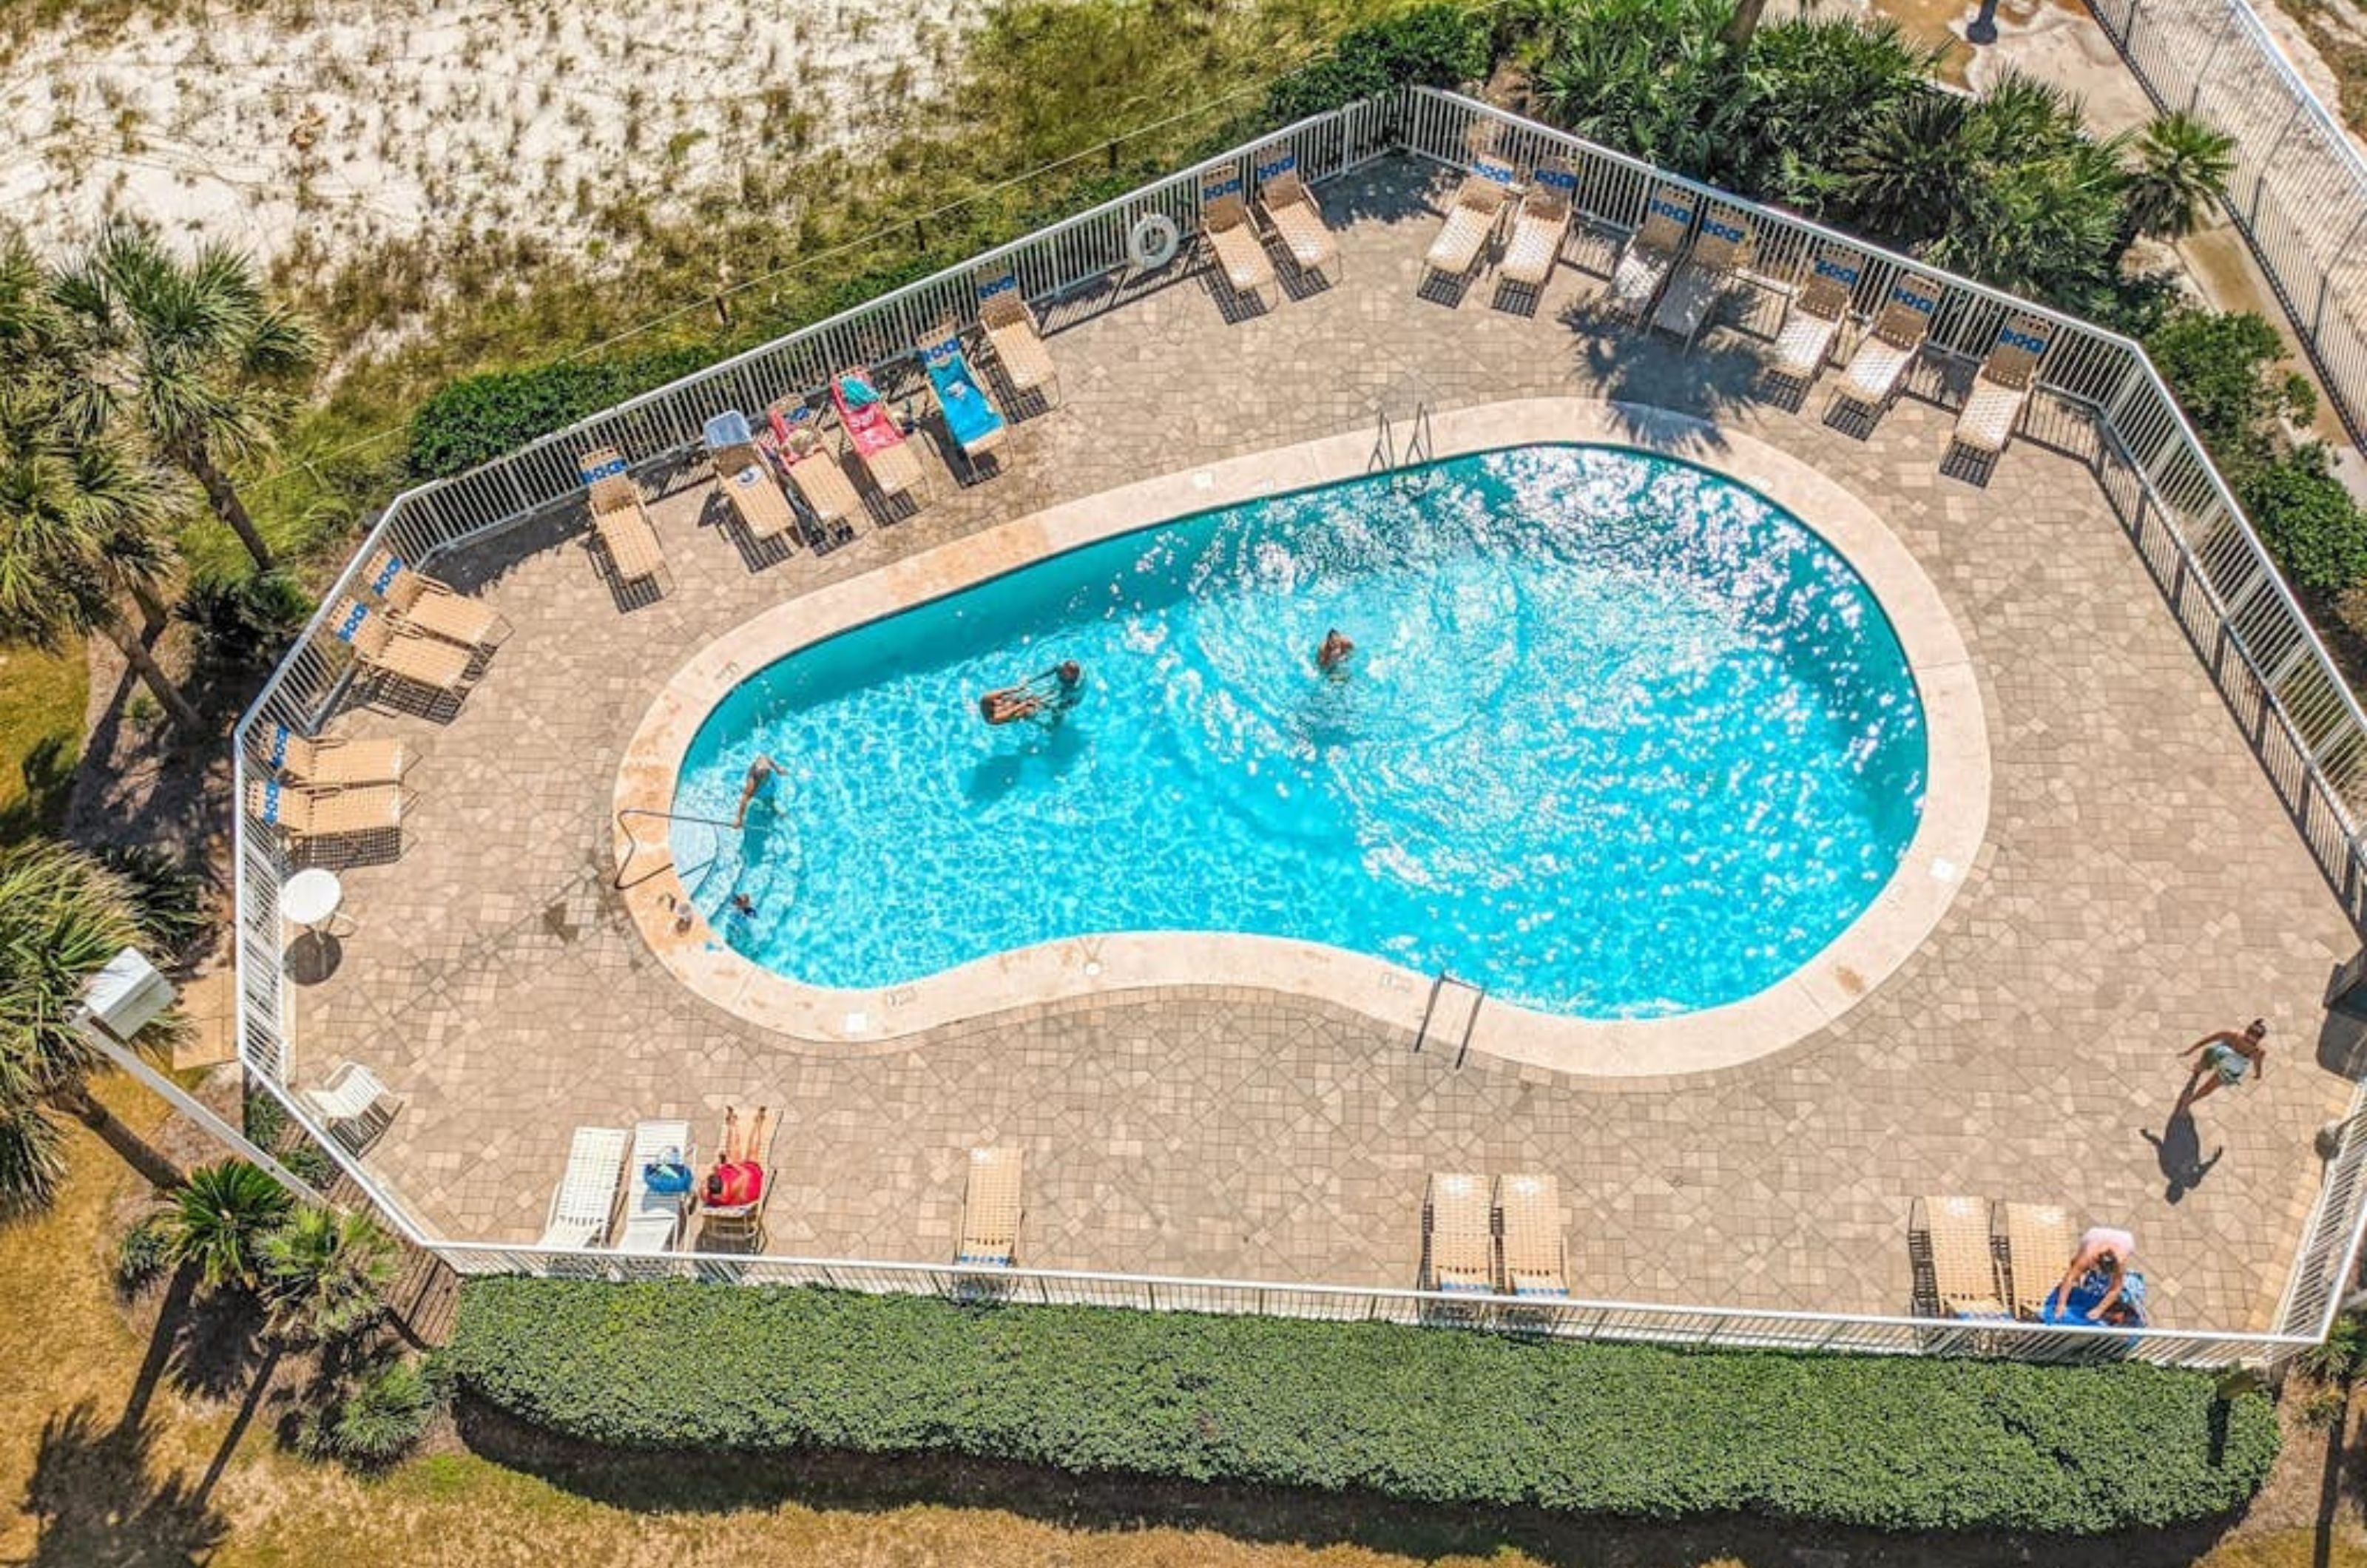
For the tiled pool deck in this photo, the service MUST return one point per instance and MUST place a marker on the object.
(2141, 884)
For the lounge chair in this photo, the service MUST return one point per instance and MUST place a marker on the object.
(386, 648)
(741, 1226)
(307, 815)
(745, 478)
(354, 1105)
(1011, 331)
(872, 431)
(620, 519)
(1650, 253)
(971, 415)
(1804, 341)
(424, 605)
(991, 1210)
(1289, 209)
(813, 474)
(1539, 227)
(1232, 239)
(653, 1220)
(1459, 1241)
(2001, 386)
(1886, 351)
(1530, 1210)
(1963, 1256)
(1720, 246)
(336, 763)
(1471, 220)
(2040, 1239)
(587, 1191)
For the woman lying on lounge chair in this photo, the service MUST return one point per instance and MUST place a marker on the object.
(738, 1177)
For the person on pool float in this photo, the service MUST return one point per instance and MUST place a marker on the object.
(1046, 695)
(2099, 1286)
(2227, 1056)
(761, 772)
(1332, 658)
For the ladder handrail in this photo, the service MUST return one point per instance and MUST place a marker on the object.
(633, 843)
(1384, 448)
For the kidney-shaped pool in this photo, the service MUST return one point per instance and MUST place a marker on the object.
(1619, 737)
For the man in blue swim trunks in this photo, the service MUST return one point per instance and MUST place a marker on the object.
(2227, 1058)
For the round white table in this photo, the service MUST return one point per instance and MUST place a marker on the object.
(311, 897)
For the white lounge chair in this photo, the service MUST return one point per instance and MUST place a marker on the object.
(1650, 254)
(1882, 358)
(586, 1196)
(1804, 341)
(1539, 227)
(352, 1103)
(653, 1220)
(1472, 220)
(2001, 386)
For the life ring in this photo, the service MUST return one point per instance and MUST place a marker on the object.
(1153, 241)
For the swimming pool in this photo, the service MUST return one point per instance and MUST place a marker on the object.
(1620, 738)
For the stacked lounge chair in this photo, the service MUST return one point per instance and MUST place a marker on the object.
(1529, 1209)
(2001, 386)
(1963, 1256)
(746, 481)
(1720, 246)
(1232, 239)
(1650, 253)
(971, 415)
(2039, 1241)
(421, 603)
(1459, 1240)
(1804, 341)
(991, 1210)
(586, 1195)
(354, 1105)
(653, 1220)
(879, 442)
(308, 815)
(1290, 211)
(335, 763)
(1883, 354)
(812, 472)
(620, 519)
(1011, 331)
(398, 652)
(1540, 226)
(1471, 220)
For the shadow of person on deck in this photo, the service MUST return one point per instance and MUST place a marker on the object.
(2177, 1149)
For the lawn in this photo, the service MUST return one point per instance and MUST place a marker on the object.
(42, 697)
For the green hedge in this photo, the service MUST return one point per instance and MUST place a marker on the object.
(479, 417)
(1430, 46)
(1434, 1416)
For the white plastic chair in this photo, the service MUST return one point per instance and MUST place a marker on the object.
(653, 1220)
(353, 1103)
(580, 1208)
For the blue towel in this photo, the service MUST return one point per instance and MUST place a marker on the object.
(859, 392)
(968, 415)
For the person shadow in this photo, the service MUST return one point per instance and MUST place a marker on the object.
(2177, 1149)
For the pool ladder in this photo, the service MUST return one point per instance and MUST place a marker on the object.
(633, 843)
(1442, 983)
(1420, 448)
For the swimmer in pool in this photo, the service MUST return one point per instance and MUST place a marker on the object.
(1332, 658)
(760, 771)
(743, 905)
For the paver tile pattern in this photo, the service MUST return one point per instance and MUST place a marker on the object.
(2141, 884)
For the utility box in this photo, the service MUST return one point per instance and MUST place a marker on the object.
(125, 997)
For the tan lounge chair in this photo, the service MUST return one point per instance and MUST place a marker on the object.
(1018, 344)
(1232, 239)
(1459, 1239)
(1804, 341)
(2040, 1239)
(991, 1210)
(620, 519)
(336, 763)
(424, 604)
(1962, 1257)
(741, 1226)
(1530, 1210)
(756, 500)
(1650, 253)
(1539, 227)
(307, 815)
(2001, 387)
(387, 649)
(821, 484)
(1471, 220)
(1882, 358)
(586, 1196)
(1720, 246)
(1289, 209)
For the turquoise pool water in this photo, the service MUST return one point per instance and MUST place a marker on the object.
(1619, 738)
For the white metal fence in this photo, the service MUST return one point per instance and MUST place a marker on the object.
(2299, 191)
(2099, 398)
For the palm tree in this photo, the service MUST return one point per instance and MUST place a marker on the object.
(1907, 177)
(222, 1218)
(82, 524)
(2181, 165)
(326, 1273)
(63, 916)
(193, 353)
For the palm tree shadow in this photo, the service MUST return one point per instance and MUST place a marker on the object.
(95, 1502)
(2177, 1149)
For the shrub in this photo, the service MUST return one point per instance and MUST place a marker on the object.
(2307, 520)
(479, 417)
(375, 1422)
(145, 1251)
(168, 893)
(2227, 371)
(220, 1219)
(1428, 1416)
(1430, 46)
(243, 621)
